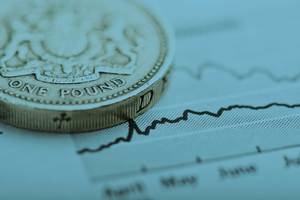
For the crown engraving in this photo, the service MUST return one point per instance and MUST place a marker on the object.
(63, 44)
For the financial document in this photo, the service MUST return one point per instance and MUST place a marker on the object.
(226, 127)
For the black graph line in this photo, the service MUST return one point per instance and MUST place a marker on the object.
(196, 161)
(134, 128)
(202, 68)
(208, 28)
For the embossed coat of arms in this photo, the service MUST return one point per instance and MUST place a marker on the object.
(62, 44)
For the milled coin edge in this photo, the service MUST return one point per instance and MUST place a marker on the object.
(161, 67)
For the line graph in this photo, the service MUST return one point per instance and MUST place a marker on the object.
(207, 28)
(133, 127)
(202, 68)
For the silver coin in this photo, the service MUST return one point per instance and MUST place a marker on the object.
(74, 66)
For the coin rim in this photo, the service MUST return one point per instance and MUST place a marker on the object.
(161, 67)
(81, 121)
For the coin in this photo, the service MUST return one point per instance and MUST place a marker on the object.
(76, 66)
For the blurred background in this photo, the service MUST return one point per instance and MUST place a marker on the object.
(237, 65)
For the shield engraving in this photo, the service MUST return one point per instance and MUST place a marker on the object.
(64, 44)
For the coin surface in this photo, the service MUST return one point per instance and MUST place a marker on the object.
(76, 66)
